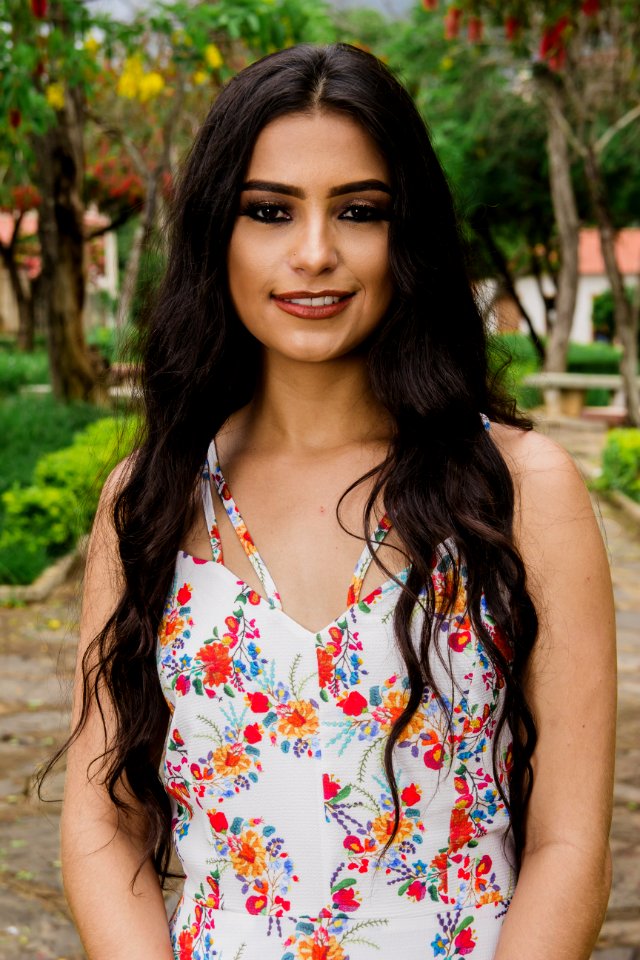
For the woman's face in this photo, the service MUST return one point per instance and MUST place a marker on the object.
(308, 260)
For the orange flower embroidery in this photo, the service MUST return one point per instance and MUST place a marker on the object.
(248, 855)
(217, 663)
(298, 719)
(231, 760)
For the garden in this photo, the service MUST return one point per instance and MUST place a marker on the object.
(509, 97)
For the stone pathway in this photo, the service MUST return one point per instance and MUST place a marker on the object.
(37, 645)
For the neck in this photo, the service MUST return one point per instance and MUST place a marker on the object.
(311, 406)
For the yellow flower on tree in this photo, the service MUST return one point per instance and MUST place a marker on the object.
(92, 44)
(55, 96)
(151, 84)
(200, 77)
(129, 80)
(213, 56)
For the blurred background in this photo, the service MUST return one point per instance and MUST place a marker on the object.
(534, 109)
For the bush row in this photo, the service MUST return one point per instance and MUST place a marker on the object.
(621, 462)
(44, 520)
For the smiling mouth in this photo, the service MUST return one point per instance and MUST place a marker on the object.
(319, 300)
(307, 306)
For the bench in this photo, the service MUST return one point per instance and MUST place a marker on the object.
(565, 392)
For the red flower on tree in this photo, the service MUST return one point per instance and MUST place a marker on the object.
(15, 118)
(452, 23)
(430, 4)
(590, 7)
(39, 8)
(475, 29)
(511, 28)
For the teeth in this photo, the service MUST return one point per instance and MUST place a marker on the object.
(315, 301)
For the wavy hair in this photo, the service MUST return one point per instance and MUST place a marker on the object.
(442, 480)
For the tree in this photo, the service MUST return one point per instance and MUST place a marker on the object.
(584, 65)
(57, 57)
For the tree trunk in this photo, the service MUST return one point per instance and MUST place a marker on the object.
(140, 239)
(60, 170)
(566, 217)
(26, 320)
(482, 227)
(626, 320)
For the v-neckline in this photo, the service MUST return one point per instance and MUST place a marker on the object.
(213, 471)
(383, 588)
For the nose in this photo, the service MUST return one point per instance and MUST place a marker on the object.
(313, 248)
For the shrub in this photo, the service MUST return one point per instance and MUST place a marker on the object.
(33, 425)
(18, 369)
(621, 462)
(45, 519)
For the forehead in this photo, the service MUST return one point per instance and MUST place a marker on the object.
(320, 147)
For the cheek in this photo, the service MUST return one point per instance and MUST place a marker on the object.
(248, 263)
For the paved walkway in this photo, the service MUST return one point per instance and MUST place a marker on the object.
(37, 646)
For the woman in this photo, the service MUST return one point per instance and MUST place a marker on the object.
(413, 777)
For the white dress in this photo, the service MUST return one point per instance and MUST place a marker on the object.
(273, 764)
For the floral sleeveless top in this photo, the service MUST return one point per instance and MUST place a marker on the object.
(274, 767)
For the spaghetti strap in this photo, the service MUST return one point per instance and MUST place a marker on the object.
(365, 559)
(209, 513)
(258, 564)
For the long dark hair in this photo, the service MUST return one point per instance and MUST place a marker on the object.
(443, 478)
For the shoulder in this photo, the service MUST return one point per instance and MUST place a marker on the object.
(554, 525)
(545, 477)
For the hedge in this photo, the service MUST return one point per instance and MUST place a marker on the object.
(44, 520)
(621, 462)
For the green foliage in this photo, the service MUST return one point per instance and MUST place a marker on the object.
(621, 462)
(511, 357)
(31, 426)
(603, 313)
(45, 519)
(18, 369)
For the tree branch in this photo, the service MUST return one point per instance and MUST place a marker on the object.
(603, 142)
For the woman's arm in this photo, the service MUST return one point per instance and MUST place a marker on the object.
(101, 850)
(563, 888)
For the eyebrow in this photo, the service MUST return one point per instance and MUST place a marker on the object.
(357, 186)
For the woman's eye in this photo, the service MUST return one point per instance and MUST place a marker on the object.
(363, 213)
(265, 212)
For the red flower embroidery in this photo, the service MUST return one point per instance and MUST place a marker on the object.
(325, 667)
(218, 820)
(252, 733)
(464, 942)
(410, 795)
(258, 702)
(217, 663)
(345, 899)
(354, 704)
(416, 890)
(185, 945)
(434, 758)
(184, 595)
(330, 787)
(256, 905)
(183, 684)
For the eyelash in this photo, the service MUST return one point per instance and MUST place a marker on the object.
(254, 208)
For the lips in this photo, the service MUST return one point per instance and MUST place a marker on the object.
(312, 304)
